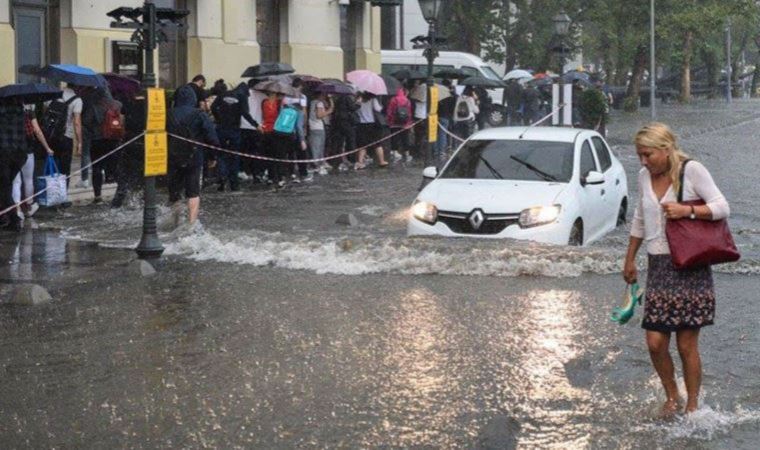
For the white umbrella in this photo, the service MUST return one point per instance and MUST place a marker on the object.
(518, 74)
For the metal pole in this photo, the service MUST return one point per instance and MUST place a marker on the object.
(652, 67)
(150, 246)
(430, 83)
(728, 62)
(561, 110)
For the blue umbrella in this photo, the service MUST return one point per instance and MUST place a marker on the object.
(30, 92)
(73, 74)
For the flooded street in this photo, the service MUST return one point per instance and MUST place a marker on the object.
(271, 326)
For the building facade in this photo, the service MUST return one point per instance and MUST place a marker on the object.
(221, 38)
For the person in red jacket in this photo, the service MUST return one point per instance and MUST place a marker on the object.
(399, 116)
(270, 109)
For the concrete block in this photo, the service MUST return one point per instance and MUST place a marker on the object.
(349, 220)
(142, 268)
(27, 294)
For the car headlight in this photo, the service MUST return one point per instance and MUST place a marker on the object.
(426, 212)
(540, 215)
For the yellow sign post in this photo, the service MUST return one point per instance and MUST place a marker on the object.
(434, 100)
(156, 140)
(156, 153)
(433, 128)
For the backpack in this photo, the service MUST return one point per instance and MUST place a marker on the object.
(286, 120)
(55, 118)
(227, 111)
(462, 109)
(113, 127)
(181, 153)
(401, 115)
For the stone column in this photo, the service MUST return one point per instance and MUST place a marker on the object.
(310, 33)
(8, 44)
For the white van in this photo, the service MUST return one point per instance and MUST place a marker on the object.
(395, 60)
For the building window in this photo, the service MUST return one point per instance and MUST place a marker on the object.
(127, 59)
(388, 30)
(172, 54)
(37, 26)
(268, 29)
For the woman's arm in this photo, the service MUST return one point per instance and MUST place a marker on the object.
(629, 267)
(41, 136)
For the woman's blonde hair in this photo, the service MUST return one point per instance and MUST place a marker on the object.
(660, 136)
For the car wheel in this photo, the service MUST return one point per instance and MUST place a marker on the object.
(497, 117)
(622, 212)
(576, 234)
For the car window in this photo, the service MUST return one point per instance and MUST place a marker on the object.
(602, 152)
(587, 159)
(388, 69)
(470, 71)
(489, 73)
(512, 160)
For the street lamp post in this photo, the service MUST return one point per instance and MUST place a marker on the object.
(561, 28)
(430, 11)
(145, 22)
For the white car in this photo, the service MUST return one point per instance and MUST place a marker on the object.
(553, 185)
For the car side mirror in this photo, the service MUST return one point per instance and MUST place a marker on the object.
(430, 172)
(592, 178)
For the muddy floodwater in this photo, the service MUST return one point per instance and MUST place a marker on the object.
(270, 326)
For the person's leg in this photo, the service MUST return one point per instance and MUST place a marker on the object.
(63, 152)
(193, 192)
(27, 175)
(97, 179)
(193, 208)
(659, 353)
(233, 166)
(688, 348)
(85, 158)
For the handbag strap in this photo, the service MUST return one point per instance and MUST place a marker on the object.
(680, 180)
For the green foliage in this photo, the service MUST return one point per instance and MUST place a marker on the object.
(592, 106)
(631, 104)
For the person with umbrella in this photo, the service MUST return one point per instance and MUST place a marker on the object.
(26, 176)
(12, 157)
(198, 85)
(320, 110)
(513, 94)
(228, 110)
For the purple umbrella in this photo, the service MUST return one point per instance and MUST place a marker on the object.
(120, 85)
(330, 87)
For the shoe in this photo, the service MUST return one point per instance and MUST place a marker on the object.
(19, 214)
(295, 179)
(221, 187)
(633, 294)
(281, 184)
(322, 171)
(409, 158)
(358, 166)
(342, 167)
(117, 202)
(383, 166)
(309, 178)
(33, 208)
(97, 200)
(396, 156)
(66, 204)
(243, 176)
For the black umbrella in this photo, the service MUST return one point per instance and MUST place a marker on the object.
(450, 73)
(31, 92)
(573, 75)
(405, 74)
(335, 88)
(267, 69)
(482, 82)
(392, 84)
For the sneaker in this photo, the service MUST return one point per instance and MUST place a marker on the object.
(33, 208)
(396, 156)
(243, 176)
(296, 180)
(281, 184)
(409, 158)
(19, 214)
(327, 167)
(358, 166)
(343, 167)
(309, 178)
(322, 171)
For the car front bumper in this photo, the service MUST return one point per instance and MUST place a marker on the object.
(556, 233)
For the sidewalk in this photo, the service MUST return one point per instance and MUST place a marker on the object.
(79, 195)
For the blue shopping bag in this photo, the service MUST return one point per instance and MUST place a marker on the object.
(51, 185)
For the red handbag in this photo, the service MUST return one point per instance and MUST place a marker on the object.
(696, 243)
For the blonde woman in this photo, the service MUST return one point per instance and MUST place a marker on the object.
(677, 301)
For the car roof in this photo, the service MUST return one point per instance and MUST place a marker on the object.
(553, 134)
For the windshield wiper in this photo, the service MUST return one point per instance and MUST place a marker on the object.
(494, 172)
(544, 175)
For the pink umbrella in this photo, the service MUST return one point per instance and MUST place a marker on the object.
(367, 81)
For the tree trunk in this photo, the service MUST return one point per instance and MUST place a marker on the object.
(637, 71)
(755, 77)
(710, 58)
(736, 91)
(685, 95)
(509, 53)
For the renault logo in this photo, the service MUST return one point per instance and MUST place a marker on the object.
(476, 219)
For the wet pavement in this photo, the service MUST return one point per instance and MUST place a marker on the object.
(272, 327)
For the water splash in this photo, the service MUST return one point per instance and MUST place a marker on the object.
(705, 424)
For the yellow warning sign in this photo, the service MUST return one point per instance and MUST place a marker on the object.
(156, 110)
(433, 128)
(156, 154)
(434, 100)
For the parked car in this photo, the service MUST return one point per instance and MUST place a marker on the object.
(553, 185)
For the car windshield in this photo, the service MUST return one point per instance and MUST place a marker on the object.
(512, 160)
(489, 72)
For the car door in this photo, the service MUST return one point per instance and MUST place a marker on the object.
(610, 197)
(592, 195)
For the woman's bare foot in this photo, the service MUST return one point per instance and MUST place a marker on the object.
(670, 408)
(691, 406)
